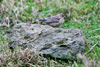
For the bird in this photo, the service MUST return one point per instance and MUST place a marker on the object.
(53, 21)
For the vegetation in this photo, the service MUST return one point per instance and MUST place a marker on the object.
(80, 14)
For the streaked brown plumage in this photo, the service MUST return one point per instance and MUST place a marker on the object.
(53, 21)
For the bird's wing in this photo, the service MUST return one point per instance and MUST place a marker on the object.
(51, 20)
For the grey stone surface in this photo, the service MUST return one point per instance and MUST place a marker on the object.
(56, 42)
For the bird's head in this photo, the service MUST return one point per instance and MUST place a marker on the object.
(61, 15)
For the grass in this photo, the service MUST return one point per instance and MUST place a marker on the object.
(80, 14)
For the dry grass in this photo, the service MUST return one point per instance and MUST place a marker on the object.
(25, 58)
(81, 14)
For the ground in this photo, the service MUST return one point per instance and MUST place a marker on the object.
(80, 14)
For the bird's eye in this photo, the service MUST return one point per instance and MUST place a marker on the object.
(63, 16)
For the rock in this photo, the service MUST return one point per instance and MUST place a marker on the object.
(55, 42)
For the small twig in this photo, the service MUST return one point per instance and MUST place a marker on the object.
(91, 48)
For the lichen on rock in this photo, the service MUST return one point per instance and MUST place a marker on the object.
(56, 42)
